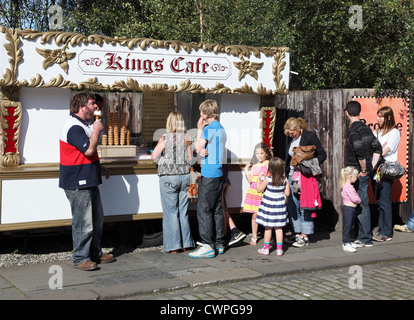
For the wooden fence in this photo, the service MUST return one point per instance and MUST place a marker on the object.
(324, 112)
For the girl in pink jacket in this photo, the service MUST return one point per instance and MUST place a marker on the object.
(350, 200)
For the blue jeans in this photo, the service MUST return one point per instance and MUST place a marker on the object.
(210, 212)
(410, 222)
(348, 216)
(301, 219)
(175, 223)
(385, 209)
(363, 212)
(87, 223)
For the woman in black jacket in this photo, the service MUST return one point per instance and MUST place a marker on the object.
(295, 129)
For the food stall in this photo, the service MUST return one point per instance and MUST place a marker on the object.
(140, 82)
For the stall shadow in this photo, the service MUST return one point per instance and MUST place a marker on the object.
(121, 198)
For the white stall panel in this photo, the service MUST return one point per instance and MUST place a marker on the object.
(33, 200)
(237, 190)
(131, 194)
(240, 116)
(45, 111)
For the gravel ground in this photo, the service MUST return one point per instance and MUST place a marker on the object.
(21, 259)
(18, 249)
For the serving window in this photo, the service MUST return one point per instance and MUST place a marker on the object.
(134, 121)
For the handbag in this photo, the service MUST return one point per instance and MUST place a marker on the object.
(301, 153)
(391, 170)
(195, 176)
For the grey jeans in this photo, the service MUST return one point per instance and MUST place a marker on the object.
(87, 223)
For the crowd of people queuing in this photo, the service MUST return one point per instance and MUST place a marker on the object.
(281, 194)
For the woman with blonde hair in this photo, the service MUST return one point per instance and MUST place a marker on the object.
(302, 221)
(173, 156)
(389, 137)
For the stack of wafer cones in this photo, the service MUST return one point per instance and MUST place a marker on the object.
(123, 129)
(110, 130)
(104, 139)
(115, 127)
(116, 136)
(128, 138)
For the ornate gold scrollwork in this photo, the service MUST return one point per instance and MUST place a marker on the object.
(247, 67)
(15, 54)
(278, 67)
(60, 56)
(10, 101)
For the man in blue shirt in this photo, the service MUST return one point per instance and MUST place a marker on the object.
(210, 144)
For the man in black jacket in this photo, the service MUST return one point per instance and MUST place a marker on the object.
(360, 143)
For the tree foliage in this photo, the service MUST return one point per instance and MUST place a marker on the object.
(325, 50)
(327, 53)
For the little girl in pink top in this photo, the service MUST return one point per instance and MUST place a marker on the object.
(350, 200)
(258, 164)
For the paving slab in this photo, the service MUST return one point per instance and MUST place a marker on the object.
(124, 262)
(74, 293)
(4, 284)
(11, 294)
(36, 277)
(171, 261)
(193, 271)
(132, 277)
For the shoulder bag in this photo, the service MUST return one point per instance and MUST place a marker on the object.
(391, 170)
(301, 153)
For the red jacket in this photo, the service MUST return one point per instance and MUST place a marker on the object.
(310, 198)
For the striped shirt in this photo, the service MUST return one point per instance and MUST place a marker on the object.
(272, 211)
(359, 145)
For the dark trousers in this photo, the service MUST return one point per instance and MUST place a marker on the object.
(210, 212)
(348, 217)
(363, 213)
(385, 208)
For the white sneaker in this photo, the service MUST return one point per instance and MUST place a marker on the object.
(204, 251)
(348, 247)
(360, 244)
(402, 228)
(301, 242)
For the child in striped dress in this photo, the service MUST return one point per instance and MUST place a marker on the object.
(253, 198)
(272, 212)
